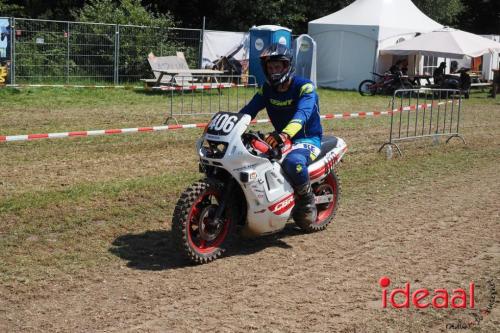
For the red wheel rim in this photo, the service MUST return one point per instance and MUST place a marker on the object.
(198, 229)
(328, 187)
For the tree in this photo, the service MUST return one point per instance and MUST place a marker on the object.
(10, 9)
(234, 15)
(481, 16)
(445, 12)
(141, 32)
(43, 9)
(124, 12)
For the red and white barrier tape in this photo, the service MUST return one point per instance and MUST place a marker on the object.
(95, 132)
(163, 88)
(201, 87)
(69, 86)
(29, 137)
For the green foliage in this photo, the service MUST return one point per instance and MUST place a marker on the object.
(41, 52)
(150, 33)
(481, 17)
(60, 52)
(10, 9)
(125, 12)
(445, 12)
(233, 15)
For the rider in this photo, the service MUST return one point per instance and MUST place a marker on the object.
(397, 68)
(293, 107)
(438, 74)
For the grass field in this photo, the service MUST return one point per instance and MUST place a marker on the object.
(77, 211)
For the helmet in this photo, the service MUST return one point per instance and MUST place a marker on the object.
(277, 52)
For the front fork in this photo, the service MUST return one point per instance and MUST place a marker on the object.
(228, 192)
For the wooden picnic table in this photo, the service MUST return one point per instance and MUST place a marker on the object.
(187, 73)
(418, 78)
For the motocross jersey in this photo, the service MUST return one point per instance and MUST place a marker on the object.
(294, 112)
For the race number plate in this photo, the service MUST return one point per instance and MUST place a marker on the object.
(223, 123)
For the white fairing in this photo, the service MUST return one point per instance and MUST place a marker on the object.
(268, 193)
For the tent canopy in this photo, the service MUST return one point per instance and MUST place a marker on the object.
(385, 17)
(349, 40)
(446, 43)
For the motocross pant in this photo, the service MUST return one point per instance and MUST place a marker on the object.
(296, 162)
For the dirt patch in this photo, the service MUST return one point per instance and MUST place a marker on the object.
(98, 256)
(440, 233)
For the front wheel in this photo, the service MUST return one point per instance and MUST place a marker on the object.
(367, 88)
(327, 194)
(201, 237)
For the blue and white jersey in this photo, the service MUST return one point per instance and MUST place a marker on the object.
(295, 112)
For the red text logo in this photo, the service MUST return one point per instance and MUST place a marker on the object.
(283, 205)
(422, 298)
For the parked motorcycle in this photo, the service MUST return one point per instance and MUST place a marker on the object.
(461, 81)
(386, 84)
(245, 189)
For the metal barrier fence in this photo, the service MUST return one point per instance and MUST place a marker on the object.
(62, 52)
(421, 113)
(197, 95)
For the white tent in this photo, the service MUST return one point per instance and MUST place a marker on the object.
(446, 43)
(349, 40)
(491, 61)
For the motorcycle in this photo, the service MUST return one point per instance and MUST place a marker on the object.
(245, 190)
(460, 81)
(386, 84)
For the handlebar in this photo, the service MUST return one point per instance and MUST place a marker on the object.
(256, 141)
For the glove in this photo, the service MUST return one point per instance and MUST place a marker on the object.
(275, 139)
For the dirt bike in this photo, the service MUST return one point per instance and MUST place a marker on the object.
(245, 190)
(385, 85)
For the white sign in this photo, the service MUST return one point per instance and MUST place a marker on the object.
(259, 44)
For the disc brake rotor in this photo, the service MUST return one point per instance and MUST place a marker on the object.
(208, 228)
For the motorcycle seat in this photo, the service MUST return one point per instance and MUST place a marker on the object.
(327, 143)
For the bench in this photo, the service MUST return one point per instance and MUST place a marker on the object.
(174, 71)
(481, 84)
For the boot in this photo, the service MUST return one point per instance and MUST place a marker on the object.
(305, 208)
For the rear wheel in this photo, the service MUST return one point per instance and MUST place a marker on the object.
(367, 88)
(199, 236)
(327, 194)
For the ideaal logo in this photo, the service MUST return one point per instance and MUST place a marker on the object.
(440, 298)
(422, 298)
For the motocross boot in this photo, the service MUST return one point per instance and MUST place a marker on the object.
(305, 207)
